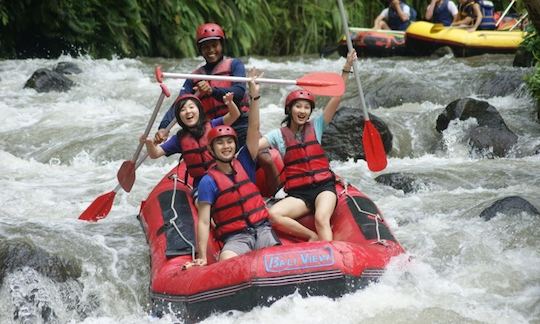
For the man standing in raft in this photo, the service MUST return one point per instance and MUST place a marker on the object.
(228, 195)
(210, 40)
(309, 182)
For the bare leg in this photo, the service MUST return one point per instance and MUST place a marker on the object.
(381, 25)
(224, 255)
(283, 215)
(325, 204)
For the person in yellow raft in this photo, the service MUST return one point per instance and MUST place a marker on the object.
(397, 16)
(475, 14)
(309, 182)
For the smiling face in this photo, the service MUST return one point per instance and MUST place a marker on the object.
(224, 148)
(189, 113)
(211, 50)
(300, 112)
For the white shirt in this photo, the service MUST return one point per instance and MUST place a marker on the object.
(406, 11)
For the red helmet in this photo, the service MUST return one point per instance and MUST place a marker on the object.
(187, 96)
(209, 31)
(297, 95)
(221, 131)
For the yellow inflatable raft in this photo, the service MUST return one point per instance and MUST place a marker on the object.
(424, 38)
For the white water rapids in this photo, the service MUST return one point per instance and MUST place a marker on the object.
(59, 151)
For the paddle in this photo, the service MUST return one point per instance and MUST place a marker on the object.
(126, 173)
(504, 13)
(371, 139)
(383, 31)
(319, 83)
(102, 205)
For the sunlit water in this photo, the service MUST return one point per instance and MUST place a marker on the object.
(59, 151)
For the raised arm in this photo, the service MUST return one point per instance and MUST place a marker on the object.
(429, 10)
(253, 134)
(233, 114)
(333, 103)
(402, 15)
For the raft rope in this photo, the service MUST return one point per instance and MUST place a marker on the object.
(172, 220)
(377, 217)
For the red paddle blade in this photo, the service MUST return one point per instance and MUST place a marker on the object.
(99, 208)
(323, 83)
(373, 147)
(126, 175)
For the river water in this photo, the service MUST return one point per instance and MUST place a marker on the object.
(59, 151)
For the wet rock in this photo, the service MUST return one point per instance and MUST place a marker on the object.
(343, 137)
(523, 58)
(67, 68)
(443, 51)
(501, 84)
(491, 132)
(41, 286)
(509, 206)
(407, 182)
(16, 254)
(401, 90)
(45, 80)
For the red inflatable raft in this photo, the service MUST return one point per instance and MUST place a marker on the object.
(362, 247)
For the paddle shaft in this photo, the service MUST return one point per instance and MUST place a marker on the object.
(356, 68)
(504, 13)
(519, 21)
(384, 31)
(227, 78)
(164, 92)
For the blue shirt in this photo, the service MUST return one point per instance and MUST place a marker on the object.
(172, 145)
(208, 190)
(237, 88)
(275, 138)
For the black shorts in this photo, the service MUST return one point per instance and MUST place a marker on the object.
(308, 194)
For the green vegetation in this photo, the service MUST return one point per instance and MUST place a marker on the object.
(130, 28)
(532, 45)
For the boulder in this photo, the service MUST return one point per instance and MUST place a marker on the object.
(511, 205)
(45, 80)
(343, 137)
(523, 58)
(408, 182)
(491, 132)
(16, 254)
(67, 68)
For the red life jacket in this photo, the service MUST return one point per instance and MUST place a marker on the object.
(305, 162)
(214, 108)
(239, 204)
(195, 152)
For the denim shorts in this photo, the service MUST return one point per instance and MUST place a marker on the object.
(257, 238)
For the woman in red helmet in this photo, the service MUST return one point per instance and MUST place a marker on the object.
(228, 195)
(210, 40)
(191, 139)
(309, 182)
